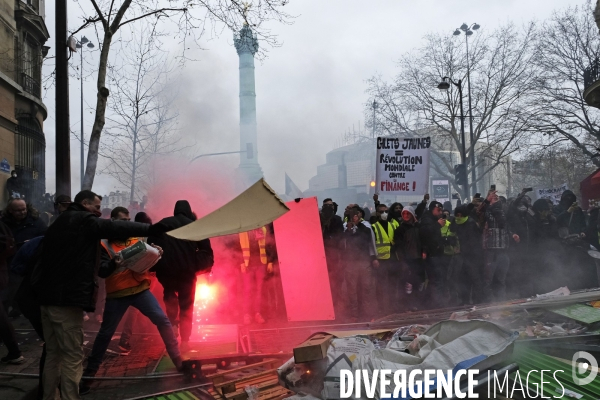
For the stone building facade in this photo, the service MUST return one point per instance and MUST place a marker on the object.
(23, 34)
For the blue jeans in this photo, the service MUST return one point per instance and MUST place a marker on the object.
(114, 310)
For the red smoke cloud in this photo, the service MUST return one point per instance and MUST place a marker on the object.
(207, 184)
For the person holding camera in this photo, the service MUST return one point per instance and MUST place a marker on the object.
(569, 216)
(496, 239)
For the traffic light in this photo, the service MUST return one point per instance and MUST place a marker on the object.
(460, 174)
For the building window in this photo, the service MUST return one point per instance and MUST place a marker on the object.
(31, 67)
(30, 157)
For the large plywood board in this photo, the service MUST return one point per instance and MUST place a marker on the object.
(302, 263)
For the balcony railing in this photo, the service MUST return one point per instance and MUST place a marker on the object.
(591, 74)
(30, 85)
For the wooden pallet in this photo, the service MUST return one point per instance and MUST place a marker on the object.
(231, 384)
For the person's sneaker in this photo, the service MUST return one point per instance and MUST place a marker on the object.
(125, 346)
(86, 317)
(178, 362)
(85, 385)
(259, 319)
(112, 349)
(247, 319)
(13, 359)
(98, 317)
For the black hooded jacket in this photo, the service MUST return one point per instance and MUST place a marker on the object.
(573, 221)
(66, 273)
(431, 235)
(181, 259)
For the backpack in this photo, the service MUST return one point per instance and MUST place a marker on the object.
(204, 260)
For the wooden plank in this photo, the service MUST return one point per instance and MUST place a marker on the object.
(241, 394)
(231, 385)
(274, 393)
(287, 393)
(220, 376)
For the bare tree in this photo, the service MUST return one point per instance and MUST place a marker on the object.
(141, 123)
(556, 112)
(190, 18)
(548, 167)
(500, 76)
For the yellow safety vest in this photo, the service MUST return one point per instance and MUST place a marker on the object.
(245, 243)
(449, 250)
(383, 240)
(394, 223)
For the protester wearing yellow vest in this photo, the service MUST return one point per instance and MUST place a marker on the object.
(126, 288)
(257, 261)
(388, 273)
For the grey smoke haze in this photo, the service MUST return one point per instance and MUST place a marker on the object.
(309, 91)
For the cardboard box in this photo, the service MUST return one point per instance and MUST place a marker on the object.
(313, 349)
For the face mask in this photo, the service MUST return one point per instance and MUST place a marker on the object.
(327, 211)
(384, 216)
(14, 175)
(460, 220)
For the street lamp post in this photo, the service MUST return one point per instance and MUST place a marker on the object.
(90, 45)
(445, 85)
(468, 31)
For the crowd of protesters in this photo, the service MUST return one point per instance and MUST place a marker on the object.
(428, 255)
(55, 266)
(401, 258)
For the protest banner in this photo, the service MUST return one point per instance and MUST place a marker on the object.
(402, 166)
(551, 193)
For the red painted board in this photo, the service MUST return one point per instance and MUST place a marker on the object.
(302, 263)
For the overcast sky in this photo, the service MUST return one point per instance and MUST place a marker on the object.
(309, 91)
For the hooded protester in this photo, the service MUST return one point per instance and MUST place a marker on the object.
(569, 216)
(547, 251)
(466, 278)
(521, 219)
(359, 271)
(13, 185)
(395, 211)
(436, 265)
(177, 269)
(448, 206)
(409, 250)
(570, 220)
(332, 228)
